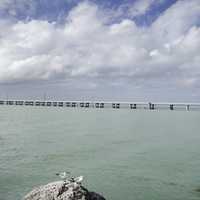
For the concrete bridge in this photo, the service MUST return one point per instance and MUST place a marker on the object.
(104, 104)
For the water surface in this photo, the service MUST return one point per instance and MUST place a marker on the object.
(123, 154)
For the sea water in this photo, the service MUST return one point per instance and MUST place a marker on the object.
(122, 154)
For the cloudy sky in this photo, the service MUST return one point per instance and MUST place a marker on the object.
(131, 50)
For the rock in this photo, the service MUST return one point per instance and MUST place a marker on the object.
(63, 190)
(94, 196)
(197, 189)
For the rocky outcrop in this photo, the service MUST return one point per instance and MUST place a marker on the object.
(63, 190)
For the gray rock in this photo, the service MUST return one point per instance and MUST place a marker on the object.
(63, 190)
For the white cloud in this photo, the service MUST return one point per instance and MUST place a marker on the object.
(86, 46)
(131, 9)
(140, 7)
(12, 7)
(177, 20)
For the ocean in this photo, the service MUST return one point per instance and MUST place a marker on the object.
(122, 154)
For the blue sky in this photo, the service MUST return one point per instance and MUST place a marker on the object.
(58, 9)
(111, 50)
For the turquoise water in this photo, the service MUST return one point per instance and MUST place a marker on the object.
(123, 154)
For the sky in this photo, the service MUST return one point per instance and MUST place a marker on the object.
(119, 50)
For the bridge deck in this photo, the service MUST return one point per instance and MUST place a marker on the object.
(104, 104)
